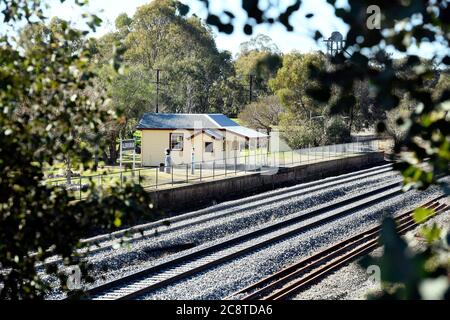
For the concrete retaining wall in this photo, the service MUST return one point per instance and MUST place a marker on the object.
(203, 194)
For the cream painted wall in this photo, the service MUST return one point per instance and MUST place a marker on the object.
(155, 142)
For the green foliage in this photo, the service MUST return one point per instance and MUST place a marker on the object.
(259, 43)
(44, 111)
(364, 59)
(337, 131)
(262, 114)
(431, 234)
(183, 48)
(194, 76)
(406, 274)
(259, 58)
(301, 134)
(421, 214)
(426, 138)
(293, 81)
(262, 65)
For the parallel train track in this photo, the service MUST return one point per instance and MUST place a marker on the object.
(232, 207)
(106, 242)
(158, 276)
(299, 276)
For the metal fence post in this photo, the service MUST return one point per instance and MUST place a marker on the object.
(307, 154)
(171, 171)
(187, 173)
(80, 187)
(201, 171)
(292, 157)
(225, 164)
(214, 169)
(273, 163)
(156, 183)
(235, 166)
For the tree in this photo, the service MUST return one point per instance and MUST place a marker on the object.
(299, 133)
(160, 37)
(397, 26)
(395, 128)
(191, 68)
(337, 131)
(42, 106)
(262, 114)
(293, 81)
(259, 43)
(261, 66)
(365, 47)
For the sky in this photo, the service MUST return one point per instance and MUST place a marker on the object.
(300, 40)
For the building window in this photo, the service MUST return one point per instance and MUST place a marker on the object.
(176, 141)
(209, 147)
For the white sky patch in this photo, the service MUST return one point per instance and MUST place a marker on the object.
(300, 39)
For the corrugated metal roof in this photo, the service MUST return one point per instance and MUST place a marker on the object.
(216, 134)
(176, 121)
(246, 132)
(196, 121)
(223, 120)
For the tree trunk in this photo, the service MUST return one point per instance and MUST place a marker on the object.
(68, 172)
(113, 153)
(351, 121)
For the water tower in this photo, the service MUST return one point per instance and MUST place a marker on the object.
(335, 43)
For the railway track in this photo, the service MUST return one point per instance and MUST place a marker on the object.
(301, 275)
(107, 241)
(155, 277)
(240, 205)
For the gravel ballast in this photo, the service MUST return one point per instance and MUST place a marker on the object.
(141, 253)
(226, 279)
(352, 281)
(236, 218)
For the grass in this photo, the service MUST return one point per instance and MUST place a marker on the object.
(237, 120)
(152, 177)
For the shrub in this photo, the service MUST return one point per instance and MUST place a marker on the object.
(301, 133)
(337, 131)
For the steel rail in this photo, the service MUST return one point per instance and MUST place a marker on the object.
(365, 242)
(155, 277)
(106, 241)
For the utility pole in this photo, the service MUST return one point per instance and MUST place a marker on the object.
(158, 87)
(250, 87)
(158, 71)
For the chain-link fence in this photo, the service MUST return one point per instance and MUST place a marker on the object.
(253, 161)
